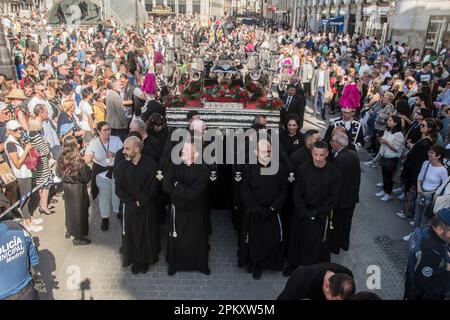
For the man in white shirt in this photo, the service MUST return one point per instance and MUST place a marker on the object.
(40, 98)
(364, 68)
(48, 130)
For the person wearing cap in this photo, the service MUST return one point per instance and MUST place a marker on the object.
(17, 151)
(352, 127)
(428, 269)
(16, 98)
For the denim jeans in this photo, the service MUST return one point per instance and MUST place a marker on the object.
(419, 213)
(319, 101)
(107, 197)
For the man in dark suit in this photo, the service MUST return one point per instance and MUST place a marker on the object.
(292, 104)
(347, 163)
(352, 127)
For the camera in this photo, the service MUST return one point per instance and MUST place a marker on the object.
(24, 138)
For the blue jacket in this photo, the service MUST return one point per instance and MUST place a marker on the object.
(427, 264)
(17, 252)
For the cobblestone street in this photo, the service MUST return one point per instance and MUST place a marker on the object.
(375, 240)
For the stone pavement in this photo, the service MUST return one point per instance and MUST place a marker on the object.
(95, 272)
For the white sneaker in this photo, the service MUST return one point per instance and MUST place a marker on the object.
(386, 198)
(369, 164)
(398, 191)
(33, 228)
(380, 184)
(401, 215)
(411, 222)
(37, 221)
(406, 238)
(380, 194)
(401, 197)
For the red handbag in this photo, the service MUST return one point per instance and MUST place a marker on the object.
(32, 160)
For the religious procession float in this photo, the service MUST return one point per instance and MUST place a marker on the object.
(227, 89)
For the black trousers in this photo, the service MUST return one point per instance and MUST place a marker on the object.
(307, 89)
(388, 174)
(340, 234)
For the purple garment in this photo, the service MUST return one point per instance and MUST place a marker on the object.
(350, 97)
(149, 85)
(158, 58)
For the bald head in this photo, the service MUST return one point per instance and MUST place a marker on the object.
(132, 148)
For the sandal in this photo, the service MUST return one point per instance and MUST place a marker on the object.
(48, 213)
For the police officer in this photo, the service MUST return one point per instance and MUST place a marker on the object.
(428, 273)
(352, 127)
(17, 252)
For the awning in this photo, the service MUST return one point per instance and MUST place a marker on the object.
(336, 21)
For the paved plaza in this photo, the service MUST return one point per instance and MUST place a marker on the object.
(95, 272)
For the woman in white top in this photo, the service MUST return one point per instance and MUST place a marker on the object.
(17, 152)
(432, 175)
(391, 150)
(101, 151)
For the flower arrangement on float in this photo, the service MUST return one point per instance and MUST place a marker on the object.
(225, 94)
(173, 101)
(270, 104)
(255, 90)
(193, 90)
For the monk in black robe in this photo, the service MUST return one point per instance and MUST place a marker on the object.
(296, 159)
(261, 245)
(316, 193)
(136, 187)
(187, 184)
(313, 283)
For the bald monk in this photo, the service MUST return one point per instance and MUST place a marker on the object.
(136, 186)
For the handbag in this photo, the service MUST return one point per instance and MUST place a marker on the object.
(409, 205)
(328, 97)
(32, 159)
(6, 175)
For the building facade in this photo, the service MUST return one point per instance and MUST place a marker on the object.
(353, 16)
(422, 24)
(16, 6)
(208, 8)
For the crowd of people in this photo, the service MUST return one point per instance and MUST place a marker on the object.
(87, 106)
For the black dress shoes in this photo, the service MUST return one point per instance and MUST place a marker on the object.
(207, 272)
(257, 271)
(135, 268)
(81, 242)
(143, 267)
(171, 272)
(105, 224)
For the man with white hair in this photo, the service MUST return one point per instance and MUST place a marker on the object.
(136, 186)
(347, 162)
(151, 146)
